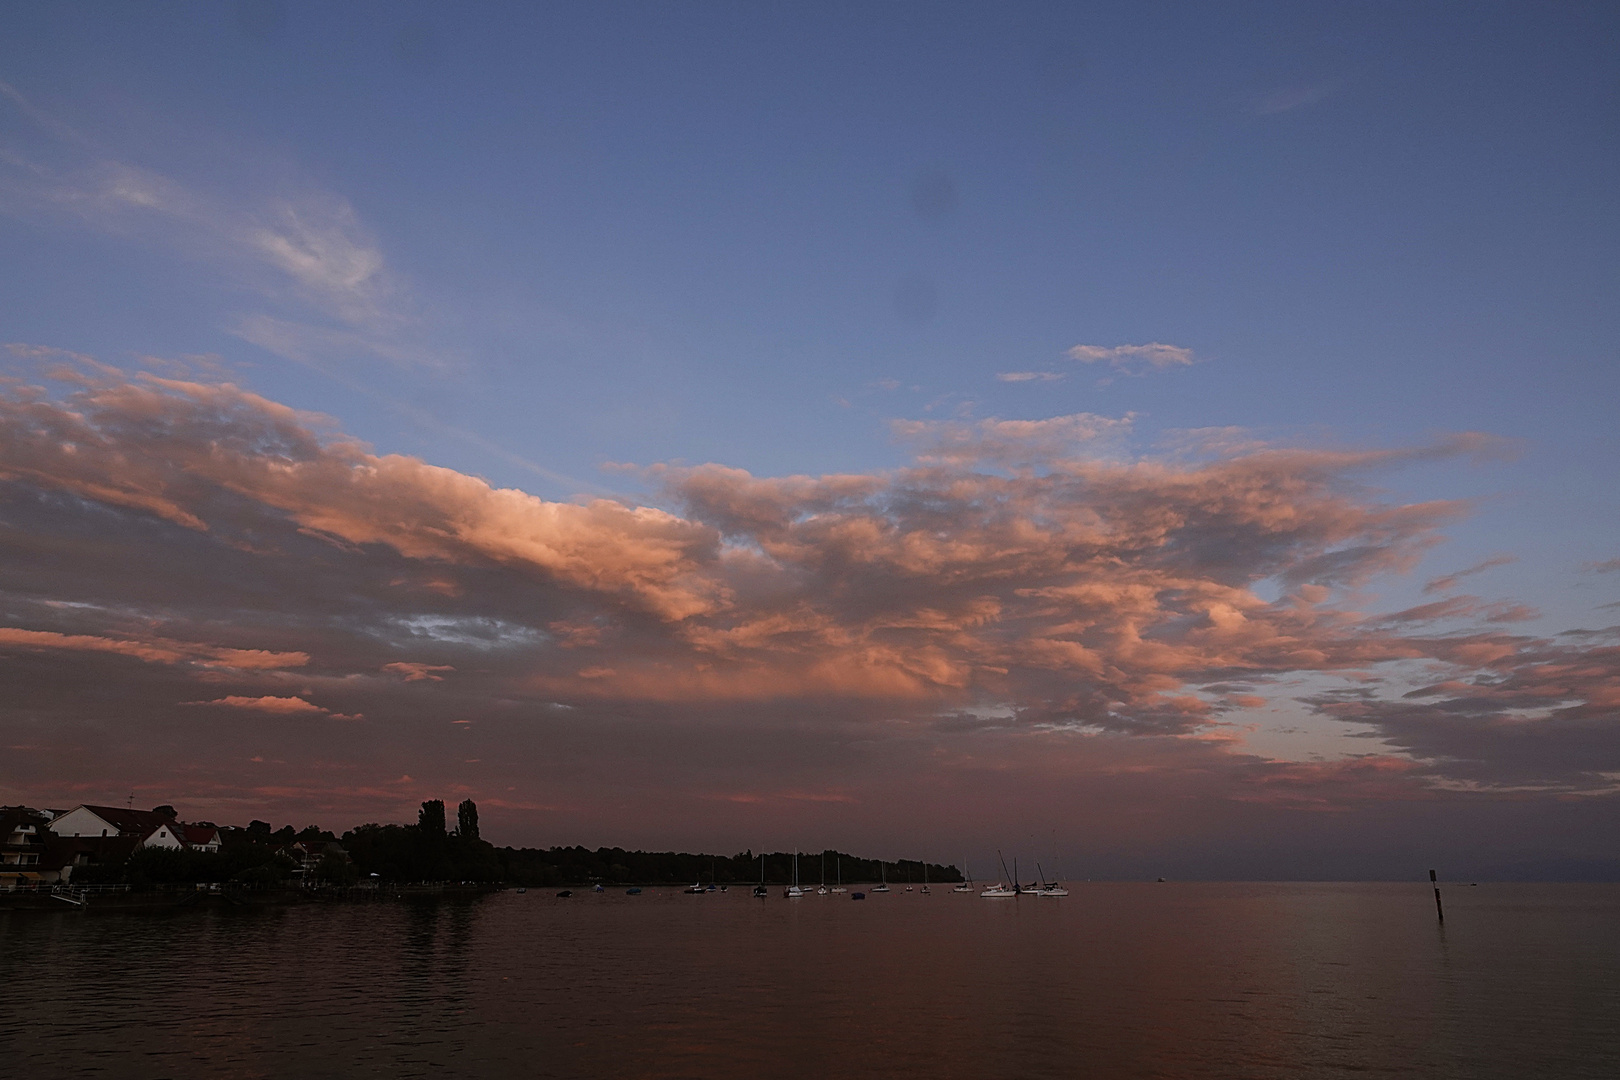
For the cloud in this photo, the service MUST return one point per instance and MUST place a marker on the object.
(1449, 581)
(1292, 98)
(280, 706)
(1011, 441)
(154, 650)
(285, 705)
(1025, 606)
(1608, 566)
(1029, 376)
(1134, 359)
(414, 672)
(303, 251)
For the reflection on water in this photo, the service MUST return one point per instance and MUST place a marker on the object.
(1117, 980)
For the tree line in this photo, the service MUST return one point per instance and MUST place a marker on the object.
(431, 850)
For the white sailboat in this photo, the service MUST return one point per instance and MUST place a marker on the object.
(999, 891)
(1049, 888)
(793, 892)
(822, 890)
(883, 879)
(840, 886)
(967, 874)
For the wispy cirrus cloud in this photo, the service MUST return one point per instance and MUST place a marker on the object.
(1134, 359)
(1446, 582)
(1292, 98)
(304, 252)
(1029, 376)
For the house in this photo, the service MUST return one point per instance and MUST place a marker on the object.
(87, 820)
(64, 854)
(23, 837)
(154, 828)
(306, 855)
(201, 838)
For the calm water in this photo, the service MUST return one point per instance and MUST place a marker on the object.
(1194, 980)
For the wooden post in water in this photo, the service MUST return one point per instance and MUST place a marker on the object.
(1438, 910)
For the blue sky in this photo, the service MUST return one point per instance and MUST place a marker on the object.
(524, 242)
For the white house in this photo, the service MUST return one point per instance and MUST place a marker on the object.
(89, 820)
(151, 828)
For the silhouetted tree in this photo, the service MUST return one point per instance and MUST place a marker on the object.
(259, 831)
(431, 820)
(167, 811)
(467, 819)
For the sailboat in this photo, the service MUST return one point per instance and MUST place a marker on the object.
(1049, 888)
(998, 891)
(839, 860)
(822, 891)
(883, 879)
(793, 892)
(760, 890)
(967, 874)
(925, 888)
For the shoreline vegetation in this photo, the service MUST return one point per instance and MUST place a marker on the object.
(403, 859)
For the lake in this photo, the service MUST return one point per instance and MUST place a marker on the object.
(1151, 980)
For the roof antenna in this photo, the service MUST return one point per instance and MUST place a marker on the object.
(132, 800)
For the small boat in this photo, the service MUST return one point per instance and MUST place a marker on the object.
(634, 890)
(793, 892)
(565, 894)
(883, 883)
(925, 890)
(693, 889)
(967, 873)
(821, 890)
(522, 890)
(840, 886)
(998, 891)
(857, 896)
(598, 888)
(1048, 888)
(760, 890)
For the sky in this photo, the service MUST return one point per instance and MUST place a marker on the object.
(1152, 438)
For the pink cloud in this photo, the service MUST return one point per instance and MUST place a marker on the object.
(1449, 581)
(282, 706)
(1025, 576)
(415, 672)
(156, 650)
(285, 705)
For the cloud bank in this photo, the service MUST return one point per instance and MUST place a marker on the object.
(1025, 600)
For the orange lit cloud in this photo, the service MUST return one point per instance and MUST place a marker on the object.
(281, 706)
(156, 650)
(1018, 576)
